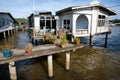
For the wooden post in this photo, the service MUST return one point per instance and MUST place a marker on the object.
(11, 32)
(68, 60)
(4, 34)
(8, 33)
(12, 70)
(106, 37)
(91, 40)
(50, 66)
(32, 40)
(74, 50)
(44, 30)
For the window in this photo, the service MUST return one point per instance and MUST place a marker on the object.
(66, 24)
(101, 20)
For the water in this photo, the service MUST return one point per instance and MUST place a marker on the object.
(88, 63)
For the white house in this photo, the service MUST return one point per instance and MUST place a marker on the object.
(43, 19)
(85, 20)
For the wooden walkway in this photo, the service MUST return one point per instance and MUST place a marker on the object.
(42, 50)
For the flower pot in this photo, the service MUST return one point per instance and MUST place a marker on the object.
(63, 46)
(55, 42)
(77, 42)
(7, 53)
(28, 52)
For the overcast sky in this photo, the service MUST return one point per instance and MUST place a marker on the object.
(23, 8)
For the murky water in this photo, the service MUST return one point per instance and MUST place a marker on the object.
(88, 63)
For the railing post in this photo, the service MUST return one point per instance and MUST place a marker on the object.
(50, 66)
(12, 70)
(67, 60)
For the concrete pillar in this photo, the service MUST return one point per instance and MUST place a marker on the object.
(68, 60)
(12, 70)
(4, 34)
(8, 33)
(50, 66)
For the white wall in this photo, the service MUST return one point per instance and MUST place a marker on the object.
(94, 20)
(37, 23)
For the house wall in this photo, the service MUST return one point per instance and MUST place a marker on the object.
(31, 22)
(65, 16)
(94, 20)
(92, 15)
(37, 23)
(104, 28)
(6, 21)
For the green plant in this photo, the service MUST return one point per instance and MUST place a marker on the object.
(76, 40)
(64, 40)
(28, 46)
(6, 47)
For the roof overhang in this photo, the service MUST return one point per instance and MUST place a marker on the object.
(100, 6)
(7, 13)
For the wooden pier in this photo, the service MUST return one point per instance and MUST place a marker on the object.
(38, 51)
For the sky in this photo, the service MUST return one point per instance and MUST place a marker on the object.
(23, 8)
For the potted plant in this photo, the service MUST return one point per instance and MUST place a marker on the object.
(76, 40)
(28, 48)
(6, 50)
(54, 40)
(64, 42)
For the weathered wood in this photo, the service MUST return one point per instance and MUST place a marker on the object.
(42, 50)
(12, 70)
(50, 66)
(67, 60)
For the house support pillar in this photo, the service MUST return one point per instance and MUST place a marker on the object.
(8, 33)
(51, 23)
(4, 34)
(91, 40)
(12, 70)
(11, 32)
(67, 60)
(50, 66)
(106, 38)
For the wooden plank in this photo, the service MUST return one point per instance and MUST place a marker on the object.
(42, 50)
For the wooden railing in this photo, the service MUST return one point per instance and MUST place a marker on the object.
(81, 31)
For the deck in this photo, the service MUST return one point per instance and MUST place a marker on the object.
(42, 50)
(38, 51)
